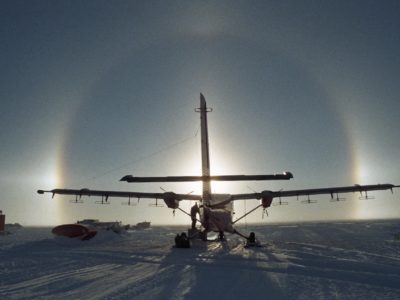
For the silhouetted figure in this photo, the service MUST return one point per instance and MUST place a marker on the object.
(221, 236)
(193, 214)
(252, 238)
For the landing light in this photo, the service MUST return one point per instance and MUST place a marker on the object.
(288, 174)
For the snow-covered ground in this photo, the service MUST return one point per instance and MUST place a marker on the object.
(297, 261)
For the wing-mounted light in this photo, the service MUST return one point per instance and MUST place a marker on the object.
(289, 175)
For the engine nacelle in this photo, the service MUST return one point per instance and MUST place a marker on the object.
(266, 198)
(170, 200)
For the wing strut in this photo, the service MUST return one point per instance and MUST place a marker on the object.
(258, 206)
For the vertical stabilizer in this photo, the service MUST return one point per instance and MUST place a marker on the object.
(205, 154)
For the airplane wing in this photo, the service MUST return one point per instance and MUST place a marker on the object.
(170, 198)
(307, 192)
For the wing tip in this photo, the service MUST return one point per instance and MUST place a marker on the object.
(126, 178)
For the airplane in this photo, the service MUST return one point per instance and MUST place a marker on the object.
(216, 210)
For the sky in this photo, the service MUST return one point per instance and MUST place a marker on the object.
(94, 90)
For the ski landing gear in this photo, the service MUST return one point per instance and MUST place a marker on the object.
(251, 241)
(195, 233)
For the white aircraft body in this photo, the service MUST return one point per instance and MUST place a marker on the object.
(216, 210)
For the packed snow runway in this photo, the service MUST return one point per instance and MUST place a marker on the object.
(296, 261)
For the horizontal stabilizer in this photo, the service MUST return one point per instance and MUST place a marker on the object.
(283, 176)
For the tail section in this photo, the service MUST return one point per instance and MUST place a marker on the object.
(205, 154)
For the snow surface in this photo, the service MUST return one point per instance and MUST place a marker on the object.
(296, 261)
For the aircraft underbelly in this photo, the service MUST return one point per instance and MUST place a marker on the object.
(217, 220)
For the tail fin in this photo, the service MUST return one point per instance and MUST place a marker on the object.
(205, 154)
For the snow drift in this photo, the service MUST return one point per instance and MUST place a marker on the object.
(296, 261)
